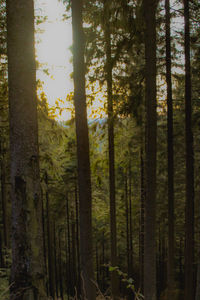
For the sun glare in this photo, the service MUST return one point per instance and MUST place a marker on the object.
(53, 40)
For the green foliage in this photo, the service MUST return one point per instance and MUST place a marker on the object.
(129, 282)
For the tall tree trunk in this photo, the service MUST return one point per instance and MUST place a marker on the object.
(1, 253)
(150, 163)
(77, 239)
(60, 264)
(97, 263)
(127, 225)
(170, 151)
(44, 243)
(27, 274)
(68, 247)
(55, 259)
(74, 273)
(51, 273)
(4, 203)
(142, 196)
(130, 223)
(189, 209)
(84, 176)
(113, 230)
(181, 275)
(197, 294)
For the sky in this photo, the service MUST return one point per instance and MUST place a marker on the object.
(53, 40)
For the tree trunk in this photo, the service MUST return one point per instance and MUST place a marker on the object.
(77, 240)
(74, 273)
(170, 151)
(27, 274)
(113, 230)
(130, 224)
(150, 162)
(84, 176)
(1, 253)
(70, 291)
(55, 259)
(127, 227)
(189, 209)
(142, 196)
(51, 273)
(197, 296)
(4, 204)
(60, 264)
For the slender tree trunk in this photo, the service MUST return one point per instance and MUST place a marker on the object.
(51, 273)
(142, 195)
(181, 275)
(1, 253)
(113, 230)
(170, 151)
(150, 163)
(130, 223)
(77, 239)
(189, 209)
(197, 296)
(103, 261)
(73, 252)
(4, 203)
(60, 264)
(27, 274)
(68, 247)
(127, 227)
(84, 176)
(97, 263)
(55, 259)
(67, 269)
(44, 244)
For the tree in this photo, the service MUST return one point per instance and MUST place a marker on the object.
(84, 177)
(170, 151)
(150, 149)
(27, 274)
(189, 209)
(113, 230)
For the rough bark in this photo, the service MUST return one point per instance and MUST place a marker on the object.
(84, 176)
(27, 274)
(150, 150)
(170, 151)
(189, 209)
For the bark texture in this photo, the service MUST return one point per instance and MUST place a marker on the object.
(27, 274)
(170, 151)
(150, 160)
(189, 209)
(84, 176)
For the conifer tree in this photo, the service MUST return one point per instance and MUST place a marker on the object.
(84, 177)
(150, 149)
(27, 274)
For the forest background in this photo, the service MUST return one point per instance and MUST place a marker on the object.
(142, 63)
